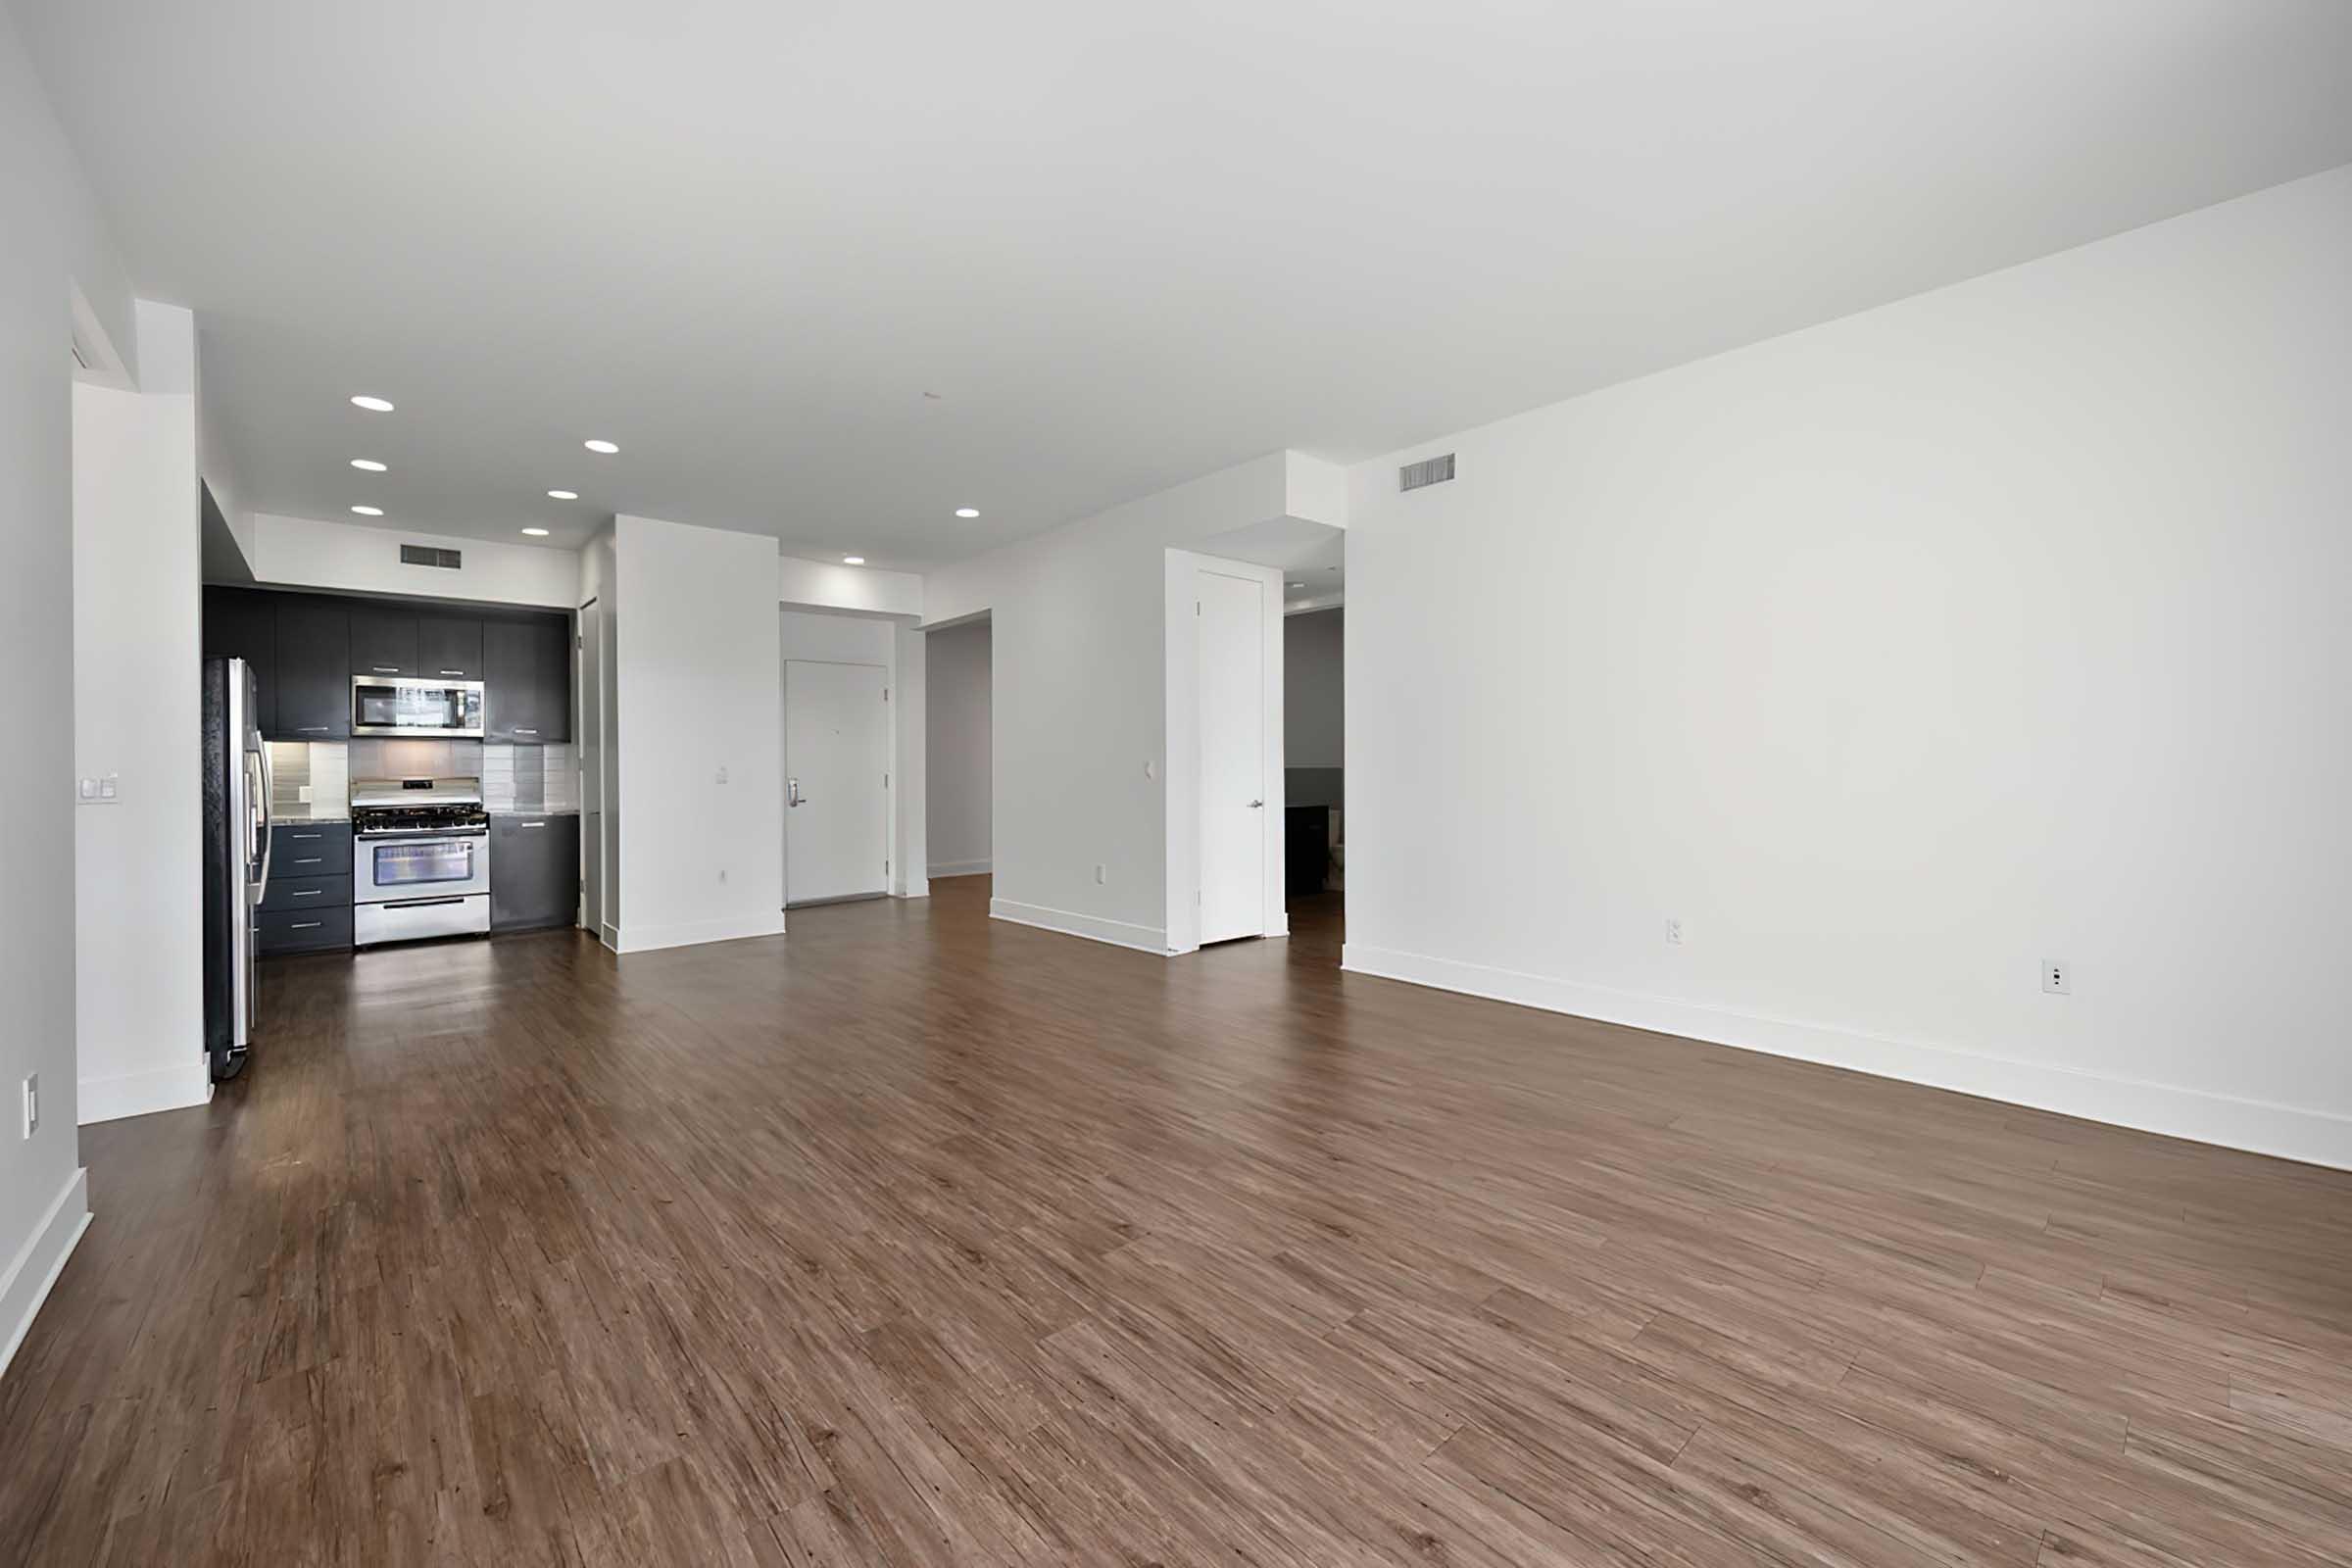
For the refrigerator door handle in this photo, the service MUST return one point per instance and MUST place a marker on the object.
(268, 848)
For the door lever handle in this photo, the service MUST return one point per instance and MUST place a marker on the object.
(1255, 804)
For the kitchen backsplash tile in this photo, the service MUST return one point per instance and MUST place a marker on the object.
(310, 781)
(381, 757)
(530, 778)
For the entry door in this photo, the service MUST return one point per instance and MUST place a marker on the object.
(836, 795)
(1232, 756)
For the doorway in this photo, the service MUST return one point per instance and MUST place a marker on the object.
(836, 782)
(959, 749)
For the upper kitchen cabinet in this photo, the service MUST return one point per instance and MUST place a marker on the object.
(313, 670)
(449, 647)
(242, 623)
(384, 640)
(526, 668)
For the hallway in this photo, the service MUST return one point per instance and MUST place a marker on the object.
(916, 1238)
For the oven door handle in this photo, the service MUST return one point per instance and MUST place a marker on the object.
(422, 903)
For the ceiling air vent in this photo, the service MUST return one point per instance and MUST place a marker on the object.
(1428, 471)
(427, 555)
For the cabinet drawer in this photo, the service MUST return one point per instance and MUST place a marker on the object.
(306, 892)
(310, 849)
(304, 930)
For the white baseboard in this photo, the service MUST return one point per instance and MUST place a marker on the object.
(138, 1094)
(39, 1261)
(940, 868)
(1118, 932)
(2258, 1126)
(686, 934)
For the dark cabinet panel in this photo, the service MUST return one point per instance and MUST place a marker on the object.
(242, 623)
(511, 680)
(304, 930)
(307, 891)
(384, 640)
(313, 670)
(552, 666)
(310, 849)
(449, 646)
(526, 668)
(534, 871)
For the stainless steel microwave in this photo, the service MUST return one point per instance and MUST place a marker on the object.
(401, 704)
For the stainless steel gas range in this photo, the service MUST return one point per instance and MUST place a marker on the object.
(420, 860)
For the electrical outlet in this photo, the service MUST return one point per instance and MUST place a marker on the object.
(2057, 977)
(32, 1103)
(1674, 933)
(1101, 873)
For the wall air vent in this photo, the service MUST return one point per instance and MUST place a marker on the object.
(1428, 471)
(427, 555)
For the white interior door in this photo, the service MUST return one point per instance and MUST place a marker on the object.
(836, 789)
(1232, 654)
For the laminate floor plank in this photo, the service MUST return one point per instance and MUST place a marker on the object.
(918, 1239)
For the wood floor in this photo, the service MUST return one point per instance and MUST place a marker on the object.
(916, 1238)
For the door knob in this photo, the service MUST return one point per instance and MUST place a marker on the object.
(1255, 804)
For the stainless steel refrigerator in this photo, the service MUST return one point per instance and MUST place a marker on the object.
(236, 860)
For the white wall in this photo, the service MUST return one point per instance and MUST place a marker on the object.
(302, 553)
(1313, 688)
(1077, 640)
(54, 240)
(697, 672)
(1892, 658)
(139, 878)
(957, 756)
(821, 585)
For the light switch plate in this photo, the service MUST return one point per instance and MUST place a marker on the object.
(32, 1103)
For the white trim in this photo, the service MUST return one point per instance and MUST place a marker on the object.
(1093, 927)
(2259, 1126)
(940, 868)
(731, 928)
(41, 1259)
(918, 887)
(143, 1092)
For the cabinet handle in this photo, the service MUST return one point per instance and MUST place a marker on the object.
(520, 730)
(306, 892)
(313, 730)
(452, 672)
(306, 835)
(386, 669)
(305, 925)
(313, 859)
(530, 824)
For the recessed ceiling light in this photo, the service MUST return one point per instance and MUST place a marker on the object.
(605, 447)
(373, 404)
(367, 465)
(853, 560)
(968, 512)
(536, 533)
(563, 495)
(369, 512)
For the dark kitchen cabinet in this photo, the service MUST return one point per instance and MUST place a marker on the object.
(534, 871)
(526, 669)
(449, 647)
(384, 640)
(313, 670)
(242, 623)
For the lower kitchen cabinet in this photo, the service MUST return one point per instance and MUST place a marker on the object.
(534, 869)
(324, 930)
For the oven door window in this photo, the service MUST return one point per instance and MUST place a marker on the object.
(422, 862)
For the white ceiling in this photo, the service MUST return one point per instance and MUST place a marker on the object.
(1124, 244)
